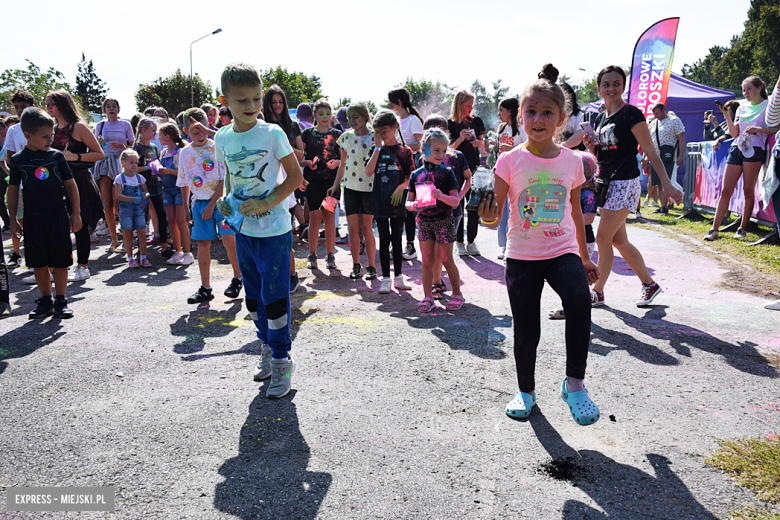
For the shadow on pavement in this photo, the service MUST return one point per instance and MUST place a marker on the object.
(268, 477)
(28, 338)
(620, 490)
(743, 356)
(202, 323)
(621, 267)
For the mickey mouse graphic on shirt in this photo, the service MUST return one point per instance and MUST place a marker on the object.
(543, 202)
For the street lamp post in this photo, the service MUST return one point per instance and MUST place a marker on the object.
(192, 89)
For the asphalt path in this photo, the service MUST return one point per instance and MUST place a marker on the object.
(393, 414)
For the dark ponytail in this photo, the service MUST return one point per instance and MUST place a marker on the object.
(513, 105)
(401, 96)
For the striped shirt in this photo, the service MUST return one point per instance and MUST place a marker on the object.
(773, 109)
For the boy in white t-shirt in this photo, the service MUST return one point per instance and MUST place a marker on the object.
(256, 208)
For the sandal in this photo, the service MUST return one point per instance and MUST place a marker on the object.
(456, 302)
(437, 290)
(557, 314)
(583, 410)
(521, 405)
(426, 305)
(113, 248)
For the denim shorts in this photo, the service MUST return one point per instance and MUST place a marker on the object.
(172, 197)
(131, 216)
(736, 157)
(207, 229)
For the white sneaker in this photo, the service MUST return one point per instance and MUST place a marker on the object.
(472, 250)
(176, 258)
(502, 253)
(646, 202)
(93, 238)
(101, 230)
(78, 274)
(186, 259)
(387, 283)
(773, 306)
(30, 280)
(460, 248)
(401, 284)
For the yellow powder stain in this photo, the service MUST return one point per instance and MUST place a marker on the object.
(330, 294)
(219, 320)
(359, 323)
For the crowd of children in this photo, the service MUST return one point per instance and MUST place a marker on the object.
(247, 171)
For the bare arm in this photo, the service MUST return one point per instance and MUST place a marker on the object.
(339, 173)
(84, 134)
(73, 195)
(591, 269)
(573, 141)
(642, 135)
(492, 208)
(681, 145)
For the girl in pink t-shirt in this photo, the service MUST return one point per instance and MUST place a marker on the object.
(545, 241)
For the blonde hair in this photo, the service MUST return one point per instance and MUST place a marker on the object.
(457, 102)
(361, 109)
(127, 152)
(143, 124)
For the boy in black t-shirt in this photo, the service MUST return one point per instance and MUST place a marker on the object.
(44, 174)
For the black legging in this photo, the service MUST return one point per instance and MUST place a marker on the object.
(390, 229)
(472, 226)
(162, 218)
(3, 208)
(524, 283)
(82, 244)
(410, 223)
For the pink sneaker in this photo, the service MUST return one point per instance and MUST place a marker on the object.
(133, 263)
(596, 298)
(145, 262)
(649, 292)
(154, 240)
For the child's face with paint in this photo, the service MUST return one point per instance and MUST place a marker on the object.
(541, 116)
(245, 103)
(198, 136)
(386, 133)
(130, 164)
(356, 121)
(322, 116)
(277, 104)
(41, 139)
(149, 132)
(436, 151)
(165, 140)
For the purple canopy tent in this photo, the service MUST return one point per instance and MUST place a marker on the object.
(688, 100)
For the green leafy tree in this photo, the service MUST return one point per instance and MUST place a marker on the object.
(173, 93)
(586, 91)
(429, 97)
(33, 80)
(89, 87)
(701, 70)
(298, 87)
(499, 93)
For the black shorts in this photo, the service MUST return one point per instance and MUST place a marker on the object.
(654, 180)
(737, 158)
(358, 202)
(316, 192)
(47, 241)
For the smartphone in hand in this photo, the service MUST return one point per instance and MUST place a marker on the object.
(588, 130)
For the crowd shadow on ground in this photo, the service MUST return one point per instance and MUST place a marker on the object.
(268, 479)
(620, 490)
(620, 266)
(742, 356)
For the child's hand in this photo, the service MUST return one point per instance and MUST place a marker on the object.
(306, 163)
(436, 193)
(488, 209)
(197, 124)
(254, 206)
(377, 140)
(208, 212)
(303, 185)
(333, 164)
(590, 142)
(75, 223)
(397, 195)
(137, 200)
(16, 231)
(504, 148)
(224, 207)
(592, 270)
(333, 191)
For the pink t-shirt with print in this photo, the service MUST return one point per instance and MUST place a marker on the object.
(540, 222)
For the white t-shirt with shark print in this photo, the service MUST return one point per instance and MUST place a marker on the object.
(253, 161)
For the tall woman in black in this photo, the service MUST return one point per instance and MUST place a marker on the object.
(76, 141)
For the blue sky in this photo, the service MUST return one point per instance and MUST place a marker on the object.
(361, 49)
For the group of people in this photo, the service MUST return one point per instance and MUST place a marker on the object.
(247, 181)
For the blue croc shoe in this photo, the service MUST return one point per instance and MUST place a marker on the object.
(521, 405)
(583, 410)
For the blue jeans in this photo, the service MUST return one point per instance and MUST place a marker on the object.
(265, 268)
(503, 227)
